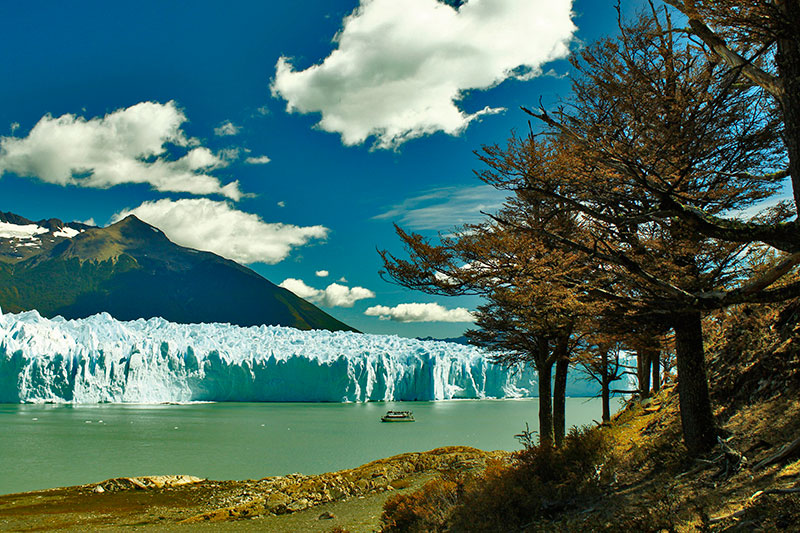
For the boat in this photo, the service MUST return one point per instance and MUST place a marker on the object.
(398, 416)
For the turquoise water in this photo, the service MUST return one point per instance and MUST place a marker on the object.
(43, 446)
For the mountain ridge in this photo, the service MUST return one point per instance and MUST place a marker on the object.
(132, 270)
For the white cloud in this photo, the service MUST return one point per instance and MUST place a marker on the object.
(229, 154)
(226, 128)
(334, 295)
(217, 227)
(126, 146)
(416, 312)
(322, 273)
(298, 287)
(446, 207)
(281, 204)
(342, 280)
(342, 296)
(14, 127)
(400, 69)
(260, 160)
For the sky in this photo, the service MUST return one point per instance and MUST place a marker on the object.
(287, 136)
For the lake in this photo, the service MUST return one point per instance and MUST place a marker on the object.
(44, 446)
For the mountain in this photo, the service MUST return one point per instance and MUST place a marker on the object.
(132, 270)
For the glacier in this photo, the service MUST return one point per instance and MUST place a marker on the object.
(103, 360)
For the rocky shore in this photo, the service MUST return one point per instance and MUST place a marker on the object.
(350, 499)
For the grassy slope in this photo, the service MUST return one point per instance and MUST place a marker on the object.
(642, 478)
(755, 379)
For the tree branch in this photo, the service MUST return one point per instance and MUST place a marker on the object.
(766, 81)
(616, 258)
(784, 236)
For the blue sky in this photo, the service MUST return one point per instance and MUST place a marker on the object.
(285, 135)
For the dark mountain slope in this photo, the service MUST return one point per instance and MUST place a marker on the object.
(132, 270)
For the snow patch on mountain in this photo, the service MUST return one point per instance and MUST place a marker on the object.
(67, 232)
(18, 231)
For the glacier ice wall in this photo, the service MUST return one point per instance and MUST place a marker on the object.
(100, 359)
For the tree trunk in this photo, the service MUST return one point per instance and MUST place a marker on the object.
(655, 360)
(560, 399)
(787, 59)
(643, 371)
(544, 369)
(697, 418)
(605, 382)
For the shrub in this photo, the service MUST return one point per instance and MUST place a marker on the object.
(539, 482)
(424, 510)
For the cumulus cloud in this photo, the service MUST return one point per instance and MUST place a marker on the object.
(226, 128)
(126, 146)
(299, 288)
(446, 207)
(401, 69)
(322, 273)
(217, 227)
(259, 160)
(416, 312)
(334, 295)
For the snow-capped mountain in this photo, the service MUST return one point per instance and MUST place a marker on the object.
(132, 270)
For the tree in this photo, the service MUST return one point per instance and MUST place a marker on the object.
(655, 132)
(521, 330)
(535, 297)
(760, 41)
(601, 361)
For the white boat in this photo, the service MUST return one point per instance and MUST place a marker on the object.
(398, 416)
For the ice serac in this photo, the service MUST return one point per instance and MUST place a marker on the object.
(100, 359)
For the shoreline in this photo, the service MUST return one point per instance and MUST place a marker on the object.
(69, 446)
(351, 496)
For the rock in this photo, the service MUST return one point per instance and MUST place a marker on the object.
(98, 489)
(327, 515)
(362, 485)
(337, 493)
(298, 505)
(277, 503)
(148, 482)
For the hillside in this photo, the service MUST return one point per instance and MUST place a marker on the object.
(132, 270)
(634, 474)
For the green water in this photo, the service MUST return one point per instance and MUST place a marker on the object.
(43, 446)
